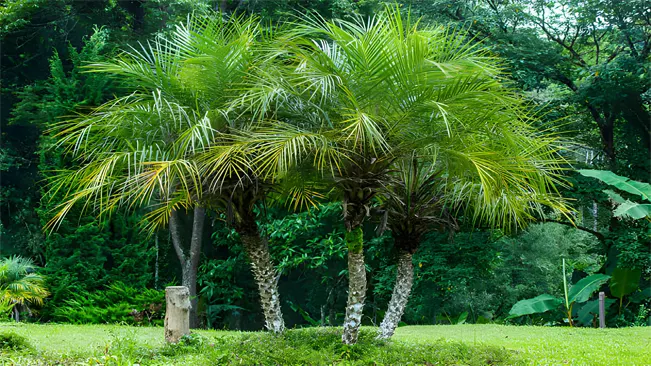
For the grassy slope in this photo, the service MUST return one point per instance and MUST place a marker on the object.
(534, 345)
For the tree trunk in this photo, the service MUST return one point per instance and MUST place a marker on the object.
(608, 141)
(330, 304)
(189, 280)
(156, 264)
(177, 313)
(356, 285)
(324, 308)
(265, 276)
(189, 262)
(400, 297)
(16, 313)
(195, 254)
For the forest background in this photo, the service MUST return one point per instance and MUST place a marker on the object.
(585, 64)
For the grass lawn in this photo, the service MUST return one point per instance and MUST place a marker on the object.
(458, 344)
(547, 345)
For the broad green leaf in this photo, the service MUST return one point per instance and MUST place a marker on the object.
(640, 296)
(582, 290)
(591, 308)
(633, 210)
(614, 196)
(539, 304)
(624, 281)
(619, 182)
(462, 318)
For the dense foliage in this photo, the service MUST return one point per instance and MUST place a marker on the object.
(587, 72)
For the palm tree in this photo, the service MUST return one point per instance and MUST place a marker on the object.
(350, 98)
(419, 199)
(413, 205)
(146, 149)
(20, 284)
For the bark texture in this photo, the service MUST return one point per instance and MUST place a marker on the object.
(400, 297)
(189, 261)
(356, 286)
(266, 277)
(177, 313)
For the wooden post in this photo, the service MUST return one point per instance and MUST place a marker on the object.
(177, 313)
(602, 310)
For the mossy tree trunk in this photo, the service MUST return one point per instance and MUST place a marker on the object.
(356, 285)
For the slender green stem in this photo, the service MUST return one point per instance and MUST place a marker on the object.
(568, 307)
(569, 316)
(567, 304)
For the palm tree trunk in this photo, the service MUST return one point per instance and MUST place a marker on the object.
(264, 273)
(356, 285)
(189, 262)
(401, 292)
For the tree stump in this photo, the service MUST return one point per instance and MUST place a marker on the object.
(177, 313)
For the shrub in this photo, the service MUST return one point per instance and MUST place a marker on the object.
(190, 343)
(319, 346)
(121, 350)
(323, 346)
(13, 341)
(116, 304)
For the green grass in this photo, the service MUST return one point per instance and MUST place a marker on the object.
(459, 344)
(548, 345)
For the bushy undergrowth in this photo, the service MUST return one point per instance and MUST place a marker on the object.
(323, 346)
(315, 346)
(13, 341)
(116, 304)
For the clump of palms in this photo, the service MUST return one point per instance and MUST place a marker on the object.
(148, 149)
(20, 284)
(354, 96)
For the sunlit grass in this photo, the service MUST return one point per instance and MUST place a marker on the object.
(459, 344)
(548, 345)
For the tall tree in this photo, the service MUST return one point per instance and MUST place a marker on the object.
(420, 198)
(590, 55)
(362, 93)
(36, 34)
(144, 149)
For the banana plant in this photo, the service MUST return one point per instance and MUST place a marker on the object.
(625, 207)
(624, 282)
(578, 293)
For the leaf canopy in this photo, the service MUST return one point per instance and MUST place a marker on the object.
(582, 290)
(148, 149)
(624, 281)
(625, 184)
(354, 93)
